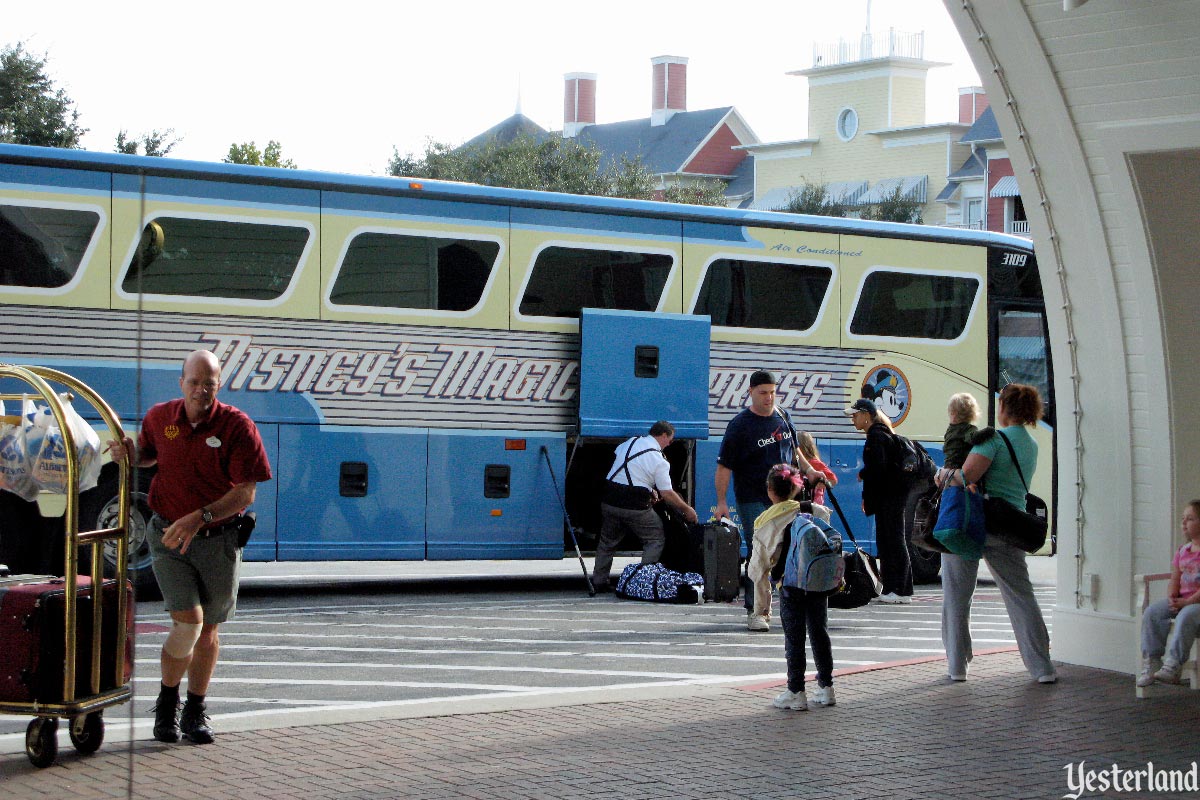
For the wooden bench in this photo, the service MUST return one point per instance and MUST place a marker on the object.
(1188, 670)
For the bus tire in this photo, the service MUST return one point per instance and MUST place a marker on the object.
(98, 508)
(925, 564)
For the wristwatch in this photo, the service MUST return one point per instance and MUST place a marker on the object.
(206, 515)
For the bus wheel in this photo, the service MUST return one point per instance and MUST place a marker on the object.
(99, 508)
(925, 564)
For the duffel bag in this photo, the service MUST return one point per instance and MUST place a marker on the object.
(860, 586)
(1016, 527)
(658, 584)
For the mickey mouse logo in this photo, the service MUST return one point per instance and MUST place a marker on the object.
(887, 387)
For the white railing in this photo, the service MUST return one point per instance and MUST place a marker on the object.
(971, 226)
(891, 44)
(1019, 226)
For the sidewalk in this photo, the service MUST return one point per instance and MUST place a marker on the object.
(897, 732)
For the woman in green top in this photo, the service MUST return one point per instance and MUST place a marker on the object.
(1020, 407)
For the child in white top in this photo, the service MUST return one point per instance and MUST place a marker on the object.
(799, 611)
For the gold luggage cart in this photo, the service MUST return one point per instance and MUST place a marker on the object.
(84, 712)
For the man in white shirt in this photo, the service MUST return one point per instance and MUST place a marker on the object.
(640, 475)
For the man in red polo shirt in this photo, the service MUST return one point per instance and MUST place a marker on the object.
(210, 460)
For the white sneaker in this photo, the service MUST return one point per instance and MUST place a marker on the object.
(1049, 677)
(891, 598)
(824, 696)
(758, 624)
(791, 701)
(1150, 665)
(1169, 672)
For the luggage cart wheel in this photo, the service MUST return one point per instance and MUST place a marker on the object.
(87, 732)
(41, 741)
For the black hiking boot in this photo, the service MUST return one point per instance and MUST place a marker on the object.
(166, 719)
(194, 723)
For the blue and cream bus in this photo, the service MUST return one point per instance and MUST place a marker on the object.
(430, 363)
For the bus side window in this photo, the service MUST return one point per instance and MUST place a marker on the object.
(389, 270)
(42, 247)
(914, 305)
(739, 293)
(567, 279)
(215, 258)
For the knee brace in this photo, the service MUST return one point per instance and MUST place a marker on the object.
(182, 639)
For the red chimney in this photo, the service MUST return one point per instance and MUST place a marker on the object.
(669, 87)
(972, 101)
(579, 102)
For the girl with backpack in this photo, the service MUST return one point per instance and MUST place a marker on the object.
(769, 530)
(799, 611)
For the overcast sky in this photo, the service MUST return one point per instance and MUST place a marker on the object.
(339, 87)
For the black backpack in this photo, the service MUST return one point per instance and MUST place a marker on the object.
(911, 460)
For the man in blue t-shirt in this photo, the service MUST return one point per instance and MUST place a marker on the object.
(758, 438)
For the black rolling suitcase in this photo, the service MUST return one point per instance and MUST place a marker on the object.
(722, 546)
(683, 550)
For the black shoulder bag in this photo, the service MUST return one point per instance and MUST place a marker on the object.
(1024, 529)
(861, 582)
(626, 495)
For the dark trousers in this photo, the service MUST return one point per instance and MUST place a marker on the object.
(895, 570)
(643, 523)
(801, 612)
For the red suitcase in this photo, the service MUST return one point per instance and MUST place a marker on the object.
(32, 656)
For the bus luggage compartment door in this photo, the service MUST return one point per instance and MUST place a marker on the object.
(491, 496)
(372, 510)
(637, 367)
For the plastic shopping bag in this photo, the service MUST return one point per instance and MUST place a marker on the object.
(48, 452)
(16, 469)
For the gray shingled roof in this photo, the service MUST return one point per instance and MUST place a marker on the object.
(663, 148)
(985, 129)
(507, 130)
(974, 167)
(743, 178)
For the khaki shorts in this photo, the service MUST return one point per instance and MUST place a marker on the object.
(205, 576)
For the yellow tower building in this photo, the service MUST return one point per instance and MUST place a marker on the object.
(867, 133)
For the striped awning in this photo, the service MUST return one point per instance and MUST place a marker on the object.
(913, 187)
(772, 199)
(847, 193)
(844, 192)
(1005, 187)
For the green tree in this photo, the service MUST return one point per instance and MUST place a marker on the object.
(248, 153)
(630, 179)
(552, 164)
(708, 192)
(895, 207)
(813, 198)
(32, 110)
(154, 143)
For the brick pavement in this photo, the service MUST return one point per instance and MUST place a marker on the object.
(901, 732)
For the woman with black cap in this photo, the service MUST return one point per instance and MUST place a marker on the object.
(884, 496)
